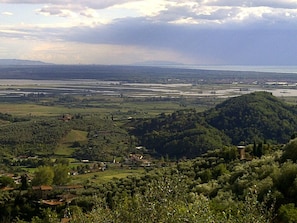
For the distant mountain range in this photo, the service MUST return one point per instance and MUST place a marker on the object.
(16, 62)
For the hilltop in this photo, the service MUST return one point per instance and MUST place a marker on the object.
(256, 116)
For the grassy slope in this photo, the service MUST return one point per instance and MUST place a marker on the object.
(64, 147)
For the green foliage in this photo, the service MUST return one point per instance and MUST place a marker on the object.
(181, 134)
(6, 182)
(288, 213)
(43, 137)
(49, 175)
(167, 201)
(254, 116)
(248, 118)
(285, 180)
(44, 175)
(10, 118)
(258, 149)
(290, 151)
(48, 216)
(104, 140)
(61, 176)
(206, 189)
(33, 136)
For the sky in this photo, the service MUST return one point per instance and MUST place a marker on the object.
(197, 32)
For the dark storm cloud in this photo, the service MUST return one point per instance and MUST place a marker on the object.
(252, 45)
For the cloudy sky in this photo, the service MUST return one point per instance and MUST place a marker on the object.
(201, 32)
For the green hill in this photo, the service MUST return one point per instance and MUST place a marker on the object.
(252, 117)
(182, 133)
(255, 116)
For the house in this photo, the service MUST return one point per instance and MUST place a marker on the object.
(66, 117)
(137, 160)
(42, 192)
(241, 151)
(52, 202)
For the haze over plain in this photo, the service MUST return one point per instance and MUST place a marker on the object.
(201, 32)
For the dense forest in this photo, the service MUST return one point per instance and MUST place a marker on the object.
(235, 162)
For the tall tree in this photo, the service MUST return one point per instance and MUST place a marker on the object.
(44, 175)
(61, 176)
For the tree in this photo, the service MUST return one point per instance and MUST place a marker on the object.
(24, 182)
(61, 176)
(44, 175)
(290, 151)
(284, 179)
(259, 150)
(6, 181)
(288, 213)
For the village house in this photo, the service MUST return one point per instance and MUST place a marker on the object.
(241, 151)
(66, 117)
(137, 160)
(42, 192)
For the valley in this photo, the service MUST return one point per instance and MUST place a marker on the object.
(106, 140)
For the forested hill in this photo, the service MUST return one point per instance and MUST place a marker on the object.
(182, 133)
(248, 118)
(255, 116)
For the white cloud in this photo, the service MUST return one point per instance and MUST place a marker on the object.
(228, 12)
(171, 11)
(7, 13)
(145, 7)
(88, 12)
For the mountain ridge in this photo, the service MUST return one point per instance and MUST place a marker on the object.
(18, 62)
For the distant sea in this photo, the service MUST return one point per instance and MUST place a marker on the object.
(273, 69)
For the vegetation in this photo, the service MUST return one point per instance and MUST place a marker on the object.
(255, 116)
(81, 157)
(182, 133)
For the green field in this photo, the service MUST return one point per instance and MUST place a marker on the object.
(97, 178)
(119, 109)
